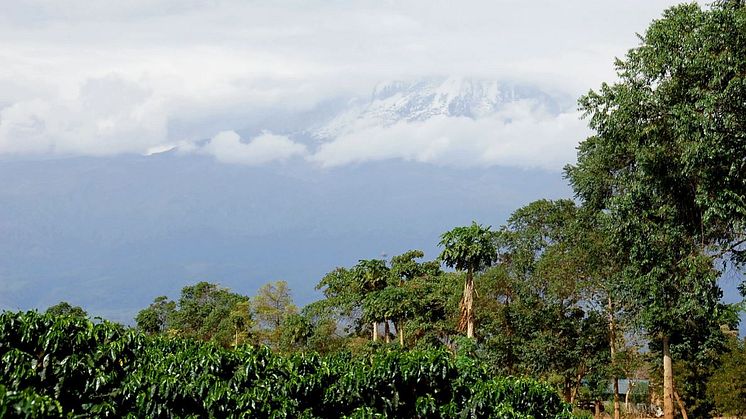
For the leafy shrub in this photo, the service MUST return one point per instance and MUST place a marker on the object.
(61, 366)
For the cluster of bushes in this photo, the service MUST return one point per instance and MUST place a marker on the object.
(54, 366)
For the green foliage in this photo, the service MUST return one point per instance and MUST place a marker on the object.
(272, 305)
(727, 385)
(312, 330)
(62, 366)
(157, 317)
(541, 314)
(204, 311)
(666, 165)
(433, 302)
(27, 403)
(63, 308)
(370, 275)
(470, 248)
(347, 289)
(52, 362)
(667, 161)
(340, 292)
(407, 292)
(405, 267)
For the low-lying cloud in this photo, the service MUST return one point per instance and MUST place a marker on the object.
(518, 136)
(108, 115)
(112, 116)
(227, 147)
(521, 135)
(140, 76)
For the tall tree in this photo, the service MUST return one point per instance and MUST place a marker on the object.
(371, 276)
(204, 312)
(727, 386)
(157, 317)
(63, 308)
(471, 249)
(667, 164)
(402, 299)
(555, 306)
(272, 305)
(242, 320)
(372, 291)
(313, 329)
(341, 294)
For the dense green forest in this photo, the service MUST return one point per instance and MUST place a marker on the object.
(544, 316)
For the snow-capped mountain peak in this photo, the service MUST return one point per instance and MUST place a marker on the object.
(419, 100)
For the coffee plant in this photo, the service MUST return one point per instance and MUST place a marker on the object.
(57, 366)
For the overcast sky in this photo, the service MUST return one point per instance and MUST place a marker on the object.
(107, 77)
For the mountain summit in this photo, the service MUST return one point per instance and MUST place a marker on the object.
(410, 101)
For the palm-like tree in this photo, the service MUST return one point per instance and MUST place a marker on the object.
(371, 275)
(470, 248)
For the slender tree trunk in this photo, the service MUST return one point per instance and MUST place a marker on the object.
(567, 393)
(667, 380)
(467, 305)
(681, 404)
(375, 331)
(400, 332)
(386, 331)
(626, 398)
(612, 347)
(236, 344)
(597, 409)
(575, 386)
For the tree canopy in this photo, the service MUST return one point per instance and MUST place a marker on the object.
(63, 308)
(667, 164)
(471, 249)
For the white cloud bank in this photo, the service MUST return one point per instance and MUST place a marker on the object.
(108, 115)
(521, 135)
(132, 77)
(518, 136)
(227, 147)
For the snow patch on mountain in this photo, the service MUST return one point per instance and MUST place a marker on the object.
(416, 101)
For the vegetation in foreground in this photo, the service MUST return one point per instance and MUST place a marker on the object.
(61, 366)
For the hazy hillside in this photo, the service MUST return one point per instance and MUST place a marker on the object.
(110, 234)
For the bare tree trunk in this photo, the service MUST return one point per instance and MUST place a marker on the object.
(597, 409)
(681, 404)
(626, 399)
(570, 387)
(567, 393)
(575, 386)
(467, 306)
(400, 332)
(667, 380)
(386, 331)
(375, 331)
(612, 346)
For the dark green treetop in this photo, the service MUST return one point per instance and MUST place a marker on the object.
(469, 248)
